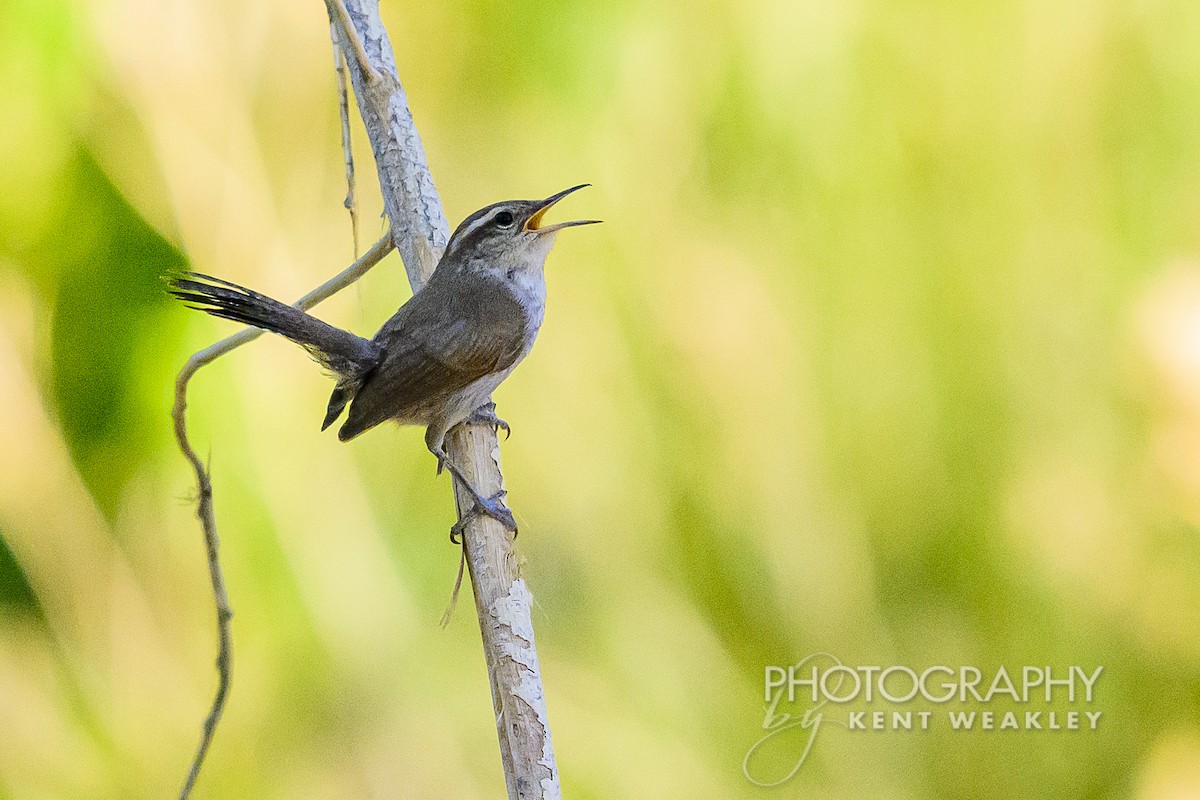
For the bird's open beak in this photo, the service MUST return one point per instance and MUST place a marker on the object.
(534, 223)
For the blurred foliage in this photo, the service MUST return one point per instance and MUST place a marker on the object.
(108, 322)
(888, 349)
(15, 592)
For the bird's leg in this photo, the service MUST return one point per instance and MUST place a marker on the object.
(486, 415)
(492, 506)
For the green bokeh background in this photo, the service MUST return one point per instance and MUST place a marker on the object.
(890, 348)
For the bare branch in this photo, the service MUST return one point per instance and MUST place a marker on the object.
(339, 17)
(409, 196)
(502, 601)
(204, 503)
(419, 231)
(339, 67)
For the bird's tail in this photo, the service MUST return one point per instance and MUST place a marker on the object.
(348, 356)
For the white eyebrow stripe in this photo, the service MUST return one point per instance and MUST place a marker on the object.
(477, 224)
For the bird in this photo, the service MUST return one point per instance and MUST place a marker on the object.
(438, 359)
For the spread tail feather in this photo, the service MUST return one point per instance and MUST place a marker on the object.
(348, 356)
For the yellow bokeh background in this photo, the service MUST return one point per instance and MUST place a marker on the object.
(889, 348)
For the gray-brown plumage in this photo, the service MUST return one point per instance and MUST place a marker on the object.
(468, 329)
(440, 356)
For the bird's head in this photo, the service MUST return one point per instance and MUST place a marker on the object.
(506, 235)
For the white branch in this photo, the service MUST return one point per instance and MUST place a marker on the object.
(419, 226)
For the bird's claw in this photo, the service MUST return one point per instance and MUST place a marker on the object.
(489, 506)
(457, 529)
(486, 415)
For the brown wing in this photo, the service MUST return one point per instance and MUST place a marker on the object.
(449, 335)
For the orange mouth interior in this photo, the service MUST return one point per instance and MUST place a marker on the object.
(535, 221)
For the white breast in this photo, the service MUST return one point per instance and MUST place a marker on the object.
(529, 286)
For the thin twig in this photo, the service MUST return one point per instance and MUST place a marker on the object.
(339, 66)
(338, 15)
(204, 504)
(453, 604)
(410, 198)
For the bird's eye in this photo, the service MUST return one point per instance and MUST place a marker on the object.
(504, 219)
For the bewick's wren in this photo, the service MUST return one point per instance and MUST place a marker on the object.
(440, 356)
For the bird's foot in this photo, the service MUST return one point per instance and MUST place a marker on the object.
(443, 461)
(486, 415)
(489, 506)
